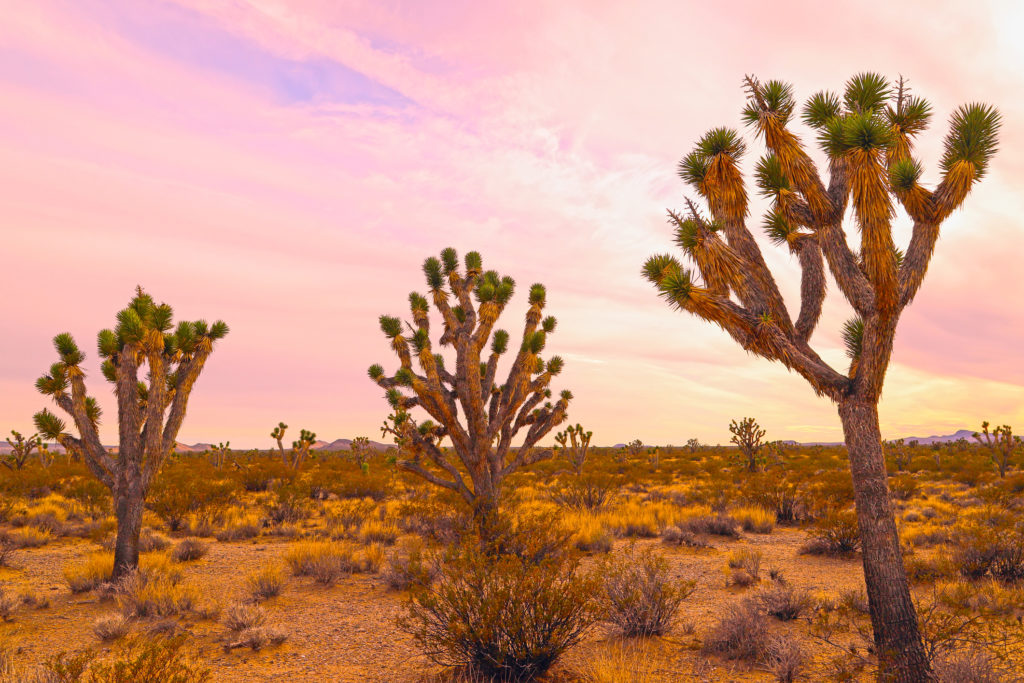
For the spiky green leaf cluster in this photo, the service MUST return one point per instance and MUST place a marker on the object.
(911, 115)
(853, 337)
(904, 174)
(866, 93)
(778, 100)
(770, 178)
(821, 108)
(973, 137)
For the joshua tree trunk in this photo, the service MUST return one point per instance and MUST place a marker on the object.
(893, 617)
(128, 511)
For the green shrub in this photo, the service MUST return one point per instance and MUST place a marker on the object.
(500, 616)
(638, 593)
(835, 534)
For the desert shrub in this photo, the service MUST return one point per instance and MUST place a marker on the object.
(741, 633)
(588, 492)
(754, 519)
(928, 570)
(638, 593)
(980, 550)
(475, 614)
(188, 487)
(835, 534)
(9, 602)
(673, 535)
(904, 486)
(258, 637)
(784, 498)
(290, 503)
(142, 659)
(744, 567)
(785, 658)
(264, 583)
(111, 627)
(590, 535)
(785, 603)
(926, 536)
(240, 616)
(88, 575)
(408, 566)
(969, 665)
(189, 550)
(712, 525)
(26, 537)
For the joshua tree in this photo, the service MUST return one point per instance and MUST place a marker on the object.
(1001, 444)
(300, 449)
(360, 449)
(654, 456)
(45, 455)
(219, 454)
(574, 443)
(635, 447)
(747, 435)
(897, 450)
(492, 415)
(693, 445)
(278, 435)
(149, 411)
(867, 136)
(21, 450)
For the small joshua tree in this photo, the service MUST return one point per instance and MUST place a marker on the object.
(480, 416)
(219, 454)
(45, 455)
(300, 449)
(693, 445)
(278, 435)
(747, 435)
(149, 412)
(1001, 444)
(574, 443)
(360, 448)
(897, 450)
(21, 450)
(867, 135)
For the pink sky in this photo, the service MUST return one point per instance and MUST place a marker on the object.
(286, 166)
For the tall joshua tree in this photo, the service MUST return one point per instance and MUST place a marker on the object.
(867, 135)
(150, 410)
(492, 415)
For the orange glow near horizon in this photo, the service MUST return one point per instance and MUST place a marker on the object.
(287, 166)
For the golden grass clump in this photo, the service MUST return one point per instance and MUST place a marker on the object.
(325, 561)
(88, 575)
(265, 583)
(754, 519)
(376, 531)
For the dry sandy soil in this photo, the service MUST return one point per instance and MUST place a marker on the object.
(347, 632)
